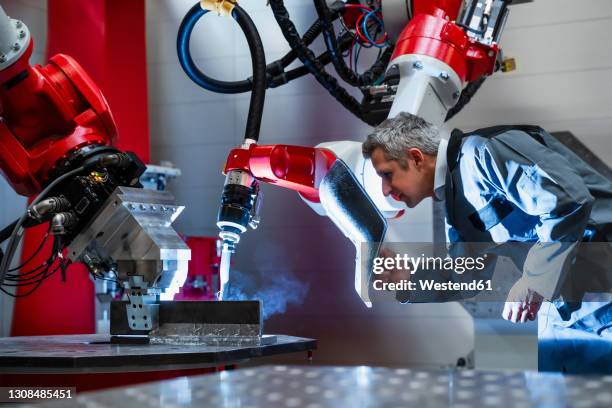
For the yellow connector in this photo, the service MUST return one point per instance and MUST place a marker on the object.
(508, 65)
(221, 7)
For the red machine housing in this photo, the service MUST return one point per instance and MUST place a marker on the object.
(432, 32)
(202, 281)
(297, 168)
(48, 113)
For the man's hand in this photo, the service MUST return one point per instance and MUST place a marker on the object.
(522, 303)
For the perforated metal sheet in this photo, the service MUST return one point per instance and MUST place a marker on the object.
(316, 387)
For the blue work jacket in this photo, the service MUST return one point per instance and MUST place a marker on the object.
(520, 184)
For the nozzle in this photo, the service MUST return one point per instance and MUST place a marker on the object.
(239, 207)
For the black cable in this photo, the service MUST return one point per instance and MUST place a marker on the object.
(17, 232)
(33, 255)
(325, 58)
(189, 66)
(310, 62)
(33, 274)
(465, 98)
(309, 36)
(258, 59)
(47, 276)
(257, 85)
(29, 280)
(18, 277)
(348, 75)
(5, 233)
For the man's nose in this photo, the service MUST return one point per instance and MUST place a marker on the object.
(386, 187)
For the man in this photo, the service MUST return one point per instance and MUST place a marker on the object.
(505, 184)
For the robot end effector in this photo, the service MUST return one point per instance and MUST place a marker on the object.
(56, 137)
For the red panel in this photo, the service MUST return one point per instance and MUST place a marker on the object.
(56, 307)
(204, 264)
(107, 37)
(434, 36)
(125, 85)
(450, 7)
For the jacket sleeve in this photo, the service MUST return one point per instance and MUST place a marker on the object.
(542, 184)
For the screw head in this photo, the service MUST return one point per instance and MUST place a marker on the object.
(456, 95)
(22, 34)
(444, 76)
(2, 58)
(16, 47)
(18, 24)
(417, 65)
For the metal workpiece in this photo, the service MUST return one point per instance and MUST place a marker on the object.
(133, 237)
(215, 323)
(312, 386)
(94, 353)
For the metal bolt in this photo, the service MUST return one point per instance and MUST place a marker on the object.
(143, 207)
(444, 76)
(131, 206)
(16, 46)
(22, 34)
(18, 24)
(456, 95)
(2, 58)
(417, 65)
(163, 209)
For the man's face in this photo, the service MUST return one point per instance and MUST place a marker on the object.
(410, 184)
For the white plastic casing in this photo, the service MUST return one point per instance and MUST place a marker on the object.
(428, 88)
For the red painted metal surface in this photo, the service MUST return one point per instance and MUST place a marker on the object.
(450, 7)
(125, 82)
(297, 168)
(107, 37)
(50, 113)
(202, 281)
(436, 36)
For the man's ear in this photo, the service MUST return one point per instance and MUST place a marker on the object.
(415, 155)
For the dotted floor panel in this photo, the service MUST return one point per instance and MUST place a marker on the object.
(325, 386)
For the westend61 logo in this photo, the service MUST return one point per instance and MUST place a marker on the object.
(432, 263)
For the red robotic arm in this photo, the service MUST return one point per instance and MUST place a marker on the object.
(48, 113)
(297, 168)
(56, 131)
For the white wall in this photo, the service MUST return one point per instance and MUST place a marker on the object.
(34, 14)
(563, 82)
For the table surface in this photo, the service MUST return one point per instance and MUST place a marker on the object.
(326, 386)
(94, 353)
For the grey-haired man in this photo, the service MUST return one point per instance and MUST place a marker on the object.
(501, 184)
